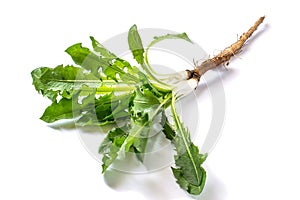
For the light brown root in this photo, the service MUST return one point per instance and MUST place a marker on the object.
(225, 55)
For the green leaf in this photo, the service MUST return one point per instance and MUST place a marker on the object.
(188, 171)
(64, 81)
(112, 107)
(105, 89)
(135, 44)
(137, 49)
(168, 129)
(137, 140)
(117, 69)
(56, 111)
(140, 145)
(69, 108)
(143, 104)
(107, 109)
(158, 39)
(87, 59)
(145, 112)
(37, 75)
(110, 146)
(101, 49)
(110, 157)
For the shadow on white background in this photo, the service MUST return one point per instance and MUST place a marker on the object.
(161, 185)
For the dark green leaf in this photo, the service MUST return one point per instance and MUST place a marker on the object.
(107, 109)
(188, 171)
(69, 108)
(140, 145)
(144, 102)
(87, 59)
(168, 129)
(111, 146)
(110, 157)
(137, 140)
(145, 109)
(135, 44)
(112, 107)
(121, 70)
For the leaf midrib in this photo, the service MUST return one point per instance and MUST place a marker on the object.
(184, 139)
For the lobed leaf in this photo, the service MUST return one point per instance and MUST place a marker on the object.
(62, 81)
(101, 49)
(68, 108)
(168, 129)
(188, 171)
(107, 109)
(87, 59)
(110, 146)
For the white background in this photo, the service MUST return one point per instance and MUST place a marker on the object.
(257, 156)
